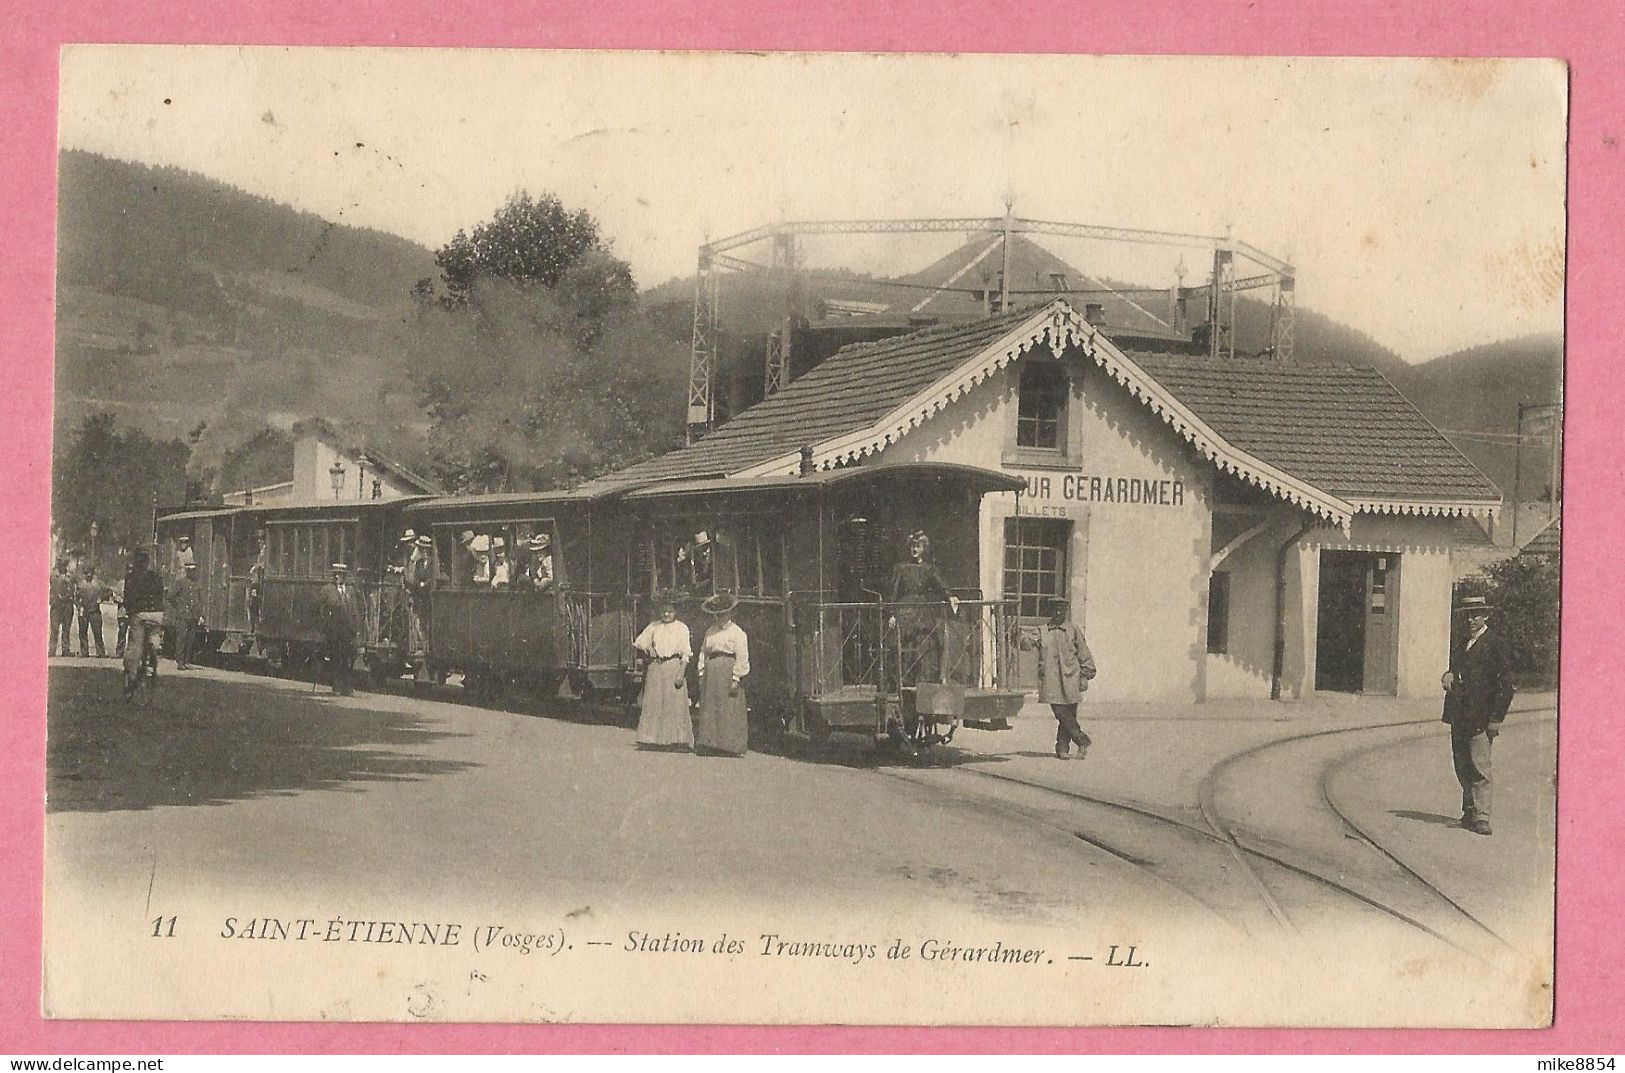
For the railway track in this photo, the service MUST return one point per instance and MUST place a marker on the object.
(1253, 877)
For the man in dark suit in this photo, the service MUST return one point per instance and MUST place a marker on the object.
(1478, 692)
(341, 622)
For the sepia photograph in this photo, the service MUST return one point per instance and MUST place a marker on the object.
(804, 538)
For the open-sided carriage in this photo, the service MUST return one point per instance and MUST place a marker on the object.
(810, 558)
(261, 569)
(527, 593)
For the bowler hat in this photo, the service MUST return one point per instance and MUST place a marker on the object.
(408, 537)
(720, 604)
(1469, 604)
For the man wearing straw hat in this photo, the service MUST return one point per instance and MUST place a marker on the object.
(1477, 693)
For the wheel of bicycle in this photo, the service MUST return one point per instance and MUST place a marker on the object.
(145, 688)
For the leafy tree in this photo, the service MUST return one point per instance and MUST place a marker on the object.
(529, 240)
(518, 400)
(1525, 593)
(537, 368)
(113, 477)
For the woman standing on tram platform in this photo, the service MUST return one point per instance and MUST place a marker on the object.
(664, 718)
(721, 725)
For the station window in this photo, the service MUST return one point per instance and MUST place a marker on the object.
(1034, 562)
(1218, 612)
(1041, 409)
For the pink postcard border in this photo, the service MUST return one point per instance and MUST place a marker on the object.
(1590, 983)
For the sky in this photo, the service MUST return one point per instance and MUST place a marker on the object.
(1420, 200)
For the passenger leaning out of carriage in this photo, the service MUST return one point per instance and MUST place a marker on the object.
(541, 563)
(1065, 668)
(256, 581)
(417, 579)
(914, 583)
(665, 647)
(721, 725)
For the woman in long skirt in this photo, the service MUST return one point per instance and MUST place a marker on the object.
(664, 718)
(721, 726)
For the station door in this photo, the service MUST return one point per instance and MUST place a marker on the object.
(1357, 635)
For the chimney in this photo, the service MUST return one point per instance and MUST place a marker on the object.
(806, 460)
(1095, 314)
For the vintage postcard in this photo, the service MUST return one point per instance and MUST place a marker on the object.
(805, 538)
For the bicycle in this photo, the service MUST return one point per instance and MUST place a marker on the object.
(141, 682)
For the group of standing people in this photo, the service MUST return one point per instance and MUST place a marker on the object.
(670, 716)
(77, 599)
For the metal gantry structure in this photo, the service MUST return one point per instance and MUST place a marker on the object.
(715, 259)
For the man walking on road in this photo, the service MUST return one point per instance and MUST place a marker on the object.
(1065, 667)
(341, 621)
(63, 589)
(1478, 691)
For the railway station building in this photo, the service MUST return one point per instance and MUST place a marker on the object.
(1224, 528)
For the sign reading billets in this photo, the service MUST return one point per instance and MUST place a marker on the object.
(1082, 488)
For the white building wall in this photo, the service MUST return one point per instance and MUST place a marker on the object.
(1426, 583)
(1245, 669)
(313, 458)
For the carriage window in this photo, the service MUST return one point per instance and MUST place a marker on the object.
(758, 558)
(1041, 411)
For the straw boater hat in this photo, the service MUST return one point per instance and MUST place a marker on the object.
(540, 541)
(424, 541)
(1468, 604)
(340, 568)
(183, 539)
(408, 537)
(191, 566)
(720, 604)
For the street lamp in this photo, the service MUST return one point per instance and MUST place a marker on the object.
(336, 475)
(361, 483)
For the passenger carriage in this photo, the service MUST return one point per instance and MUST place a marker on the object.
(809, 558)
(277, 615)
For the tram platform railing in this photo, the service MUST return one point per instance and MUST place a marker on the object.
(886, 647)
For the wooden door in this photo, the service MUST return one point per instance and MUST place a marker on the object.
(1382, 623)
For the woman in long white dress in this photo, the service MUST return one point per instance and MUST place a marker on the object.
(721, 725)
(664, 718)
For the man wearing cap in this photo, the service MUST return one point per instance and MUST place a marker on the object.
(182, 557)
(88, 597)
(1065, 668)
(182, 609)
(1477, 693)
(340, 611)
(914, 583)
(62, 594)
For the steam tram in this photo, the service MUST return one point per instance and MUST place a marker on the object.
(809, 558)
